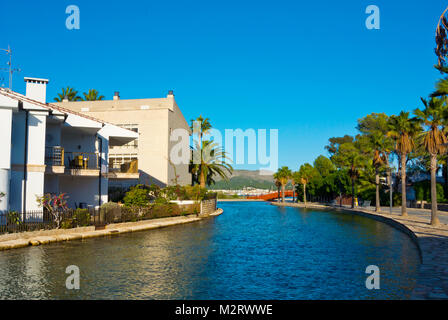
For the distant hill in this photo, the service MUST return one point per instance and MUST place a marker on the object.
(245, 178)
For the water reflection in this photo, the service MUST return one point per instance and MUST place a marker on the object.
(252, 251)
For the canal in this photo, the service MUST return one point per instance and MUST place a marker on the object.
(252, 251)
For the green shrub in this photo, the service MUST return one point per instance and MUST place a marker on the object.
(396, 198)
(154, 192)
(194, 192)
(164, 210)
(137, 196)
(423, 191)
(67, 224)
(172, 192)
(81, 218)
(129, 214)
(110, 210)
(13, 218)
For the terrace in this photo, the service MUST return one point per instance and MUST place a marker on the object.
(59, 161)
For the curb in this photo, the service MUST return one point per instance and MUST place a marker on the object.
(111, 230)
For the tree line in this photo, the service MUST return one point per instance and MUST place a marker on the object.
(73, 95)
(416, 141)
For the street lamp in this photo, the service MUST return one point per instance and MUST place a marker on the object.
(384, 182)
(391, 190)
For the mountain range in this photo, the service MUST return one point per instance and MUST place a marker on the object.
(245, 178)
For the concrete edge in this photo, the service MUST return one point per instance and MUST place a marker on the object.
(111, 230)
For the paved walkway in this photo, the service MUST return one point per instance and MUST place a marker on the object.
(432, 280)
(36, 238)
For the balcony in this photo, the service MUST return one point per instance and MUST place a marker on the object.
(58, 161)
(82, 163)
(54, 160)
(127, 170)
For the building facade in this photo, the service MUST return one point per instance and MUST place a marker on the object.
(154, 120)
(49, 149)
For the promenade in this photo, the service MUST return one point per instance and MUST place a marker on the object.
(432, 280)
(36, 238)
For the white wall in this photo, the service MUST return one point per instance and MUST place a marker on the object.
(5, 159)
(16, 191)
(34, 189)
(35, 159)
(80, 189)
(76, 141)
(53, 135)
(36, 137)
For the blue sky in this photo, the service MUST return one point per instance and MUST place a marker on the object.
(309, 69)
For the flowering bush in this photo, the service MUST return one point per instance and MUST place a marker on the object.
(55, 205)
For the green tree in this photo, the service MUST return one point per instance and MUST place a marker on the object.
(137, 196)
(404, 131)
(306, 173)
(324, 166)
(434, 141)
(209, 160)
(203, 124)
(92, 95)
(69, 93)
(375, 128)
(295, 177)
(282, 176)
(348, 155)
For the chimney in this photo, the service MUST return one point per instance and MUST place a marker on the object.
(36, 89)
(65, 99)
(116, 95)
(170, 98)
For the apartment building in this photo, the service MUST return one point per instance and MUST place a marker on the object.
(48, 149)
(154, 120)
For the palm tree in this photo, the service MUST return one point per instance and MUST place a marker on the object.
(204, 126)
(404, 131)
(68, 93)
(379, 159)
(92, 95)
(349, 156)
(375, 127)
(282, 175)
(211, 162)
(278, 185)
(306, 173)
(295, 177)
(374, 145)
(434, 141)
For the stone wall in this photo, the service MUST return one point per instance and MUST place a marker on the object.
(208, 206)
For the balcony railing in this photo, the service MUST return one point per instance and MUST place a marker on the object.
(54, 156)
(127, 167)
(81, 160)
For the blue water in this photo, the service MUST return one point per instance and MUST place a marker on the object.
(252, 251)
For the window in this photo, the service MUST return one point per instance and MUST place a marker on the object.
(116, 160)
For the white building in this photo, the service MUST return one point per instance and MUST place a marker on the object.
(154, 119)
(49, 149)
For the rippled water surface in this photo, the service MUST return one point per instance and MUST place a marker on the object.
(252, 251)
